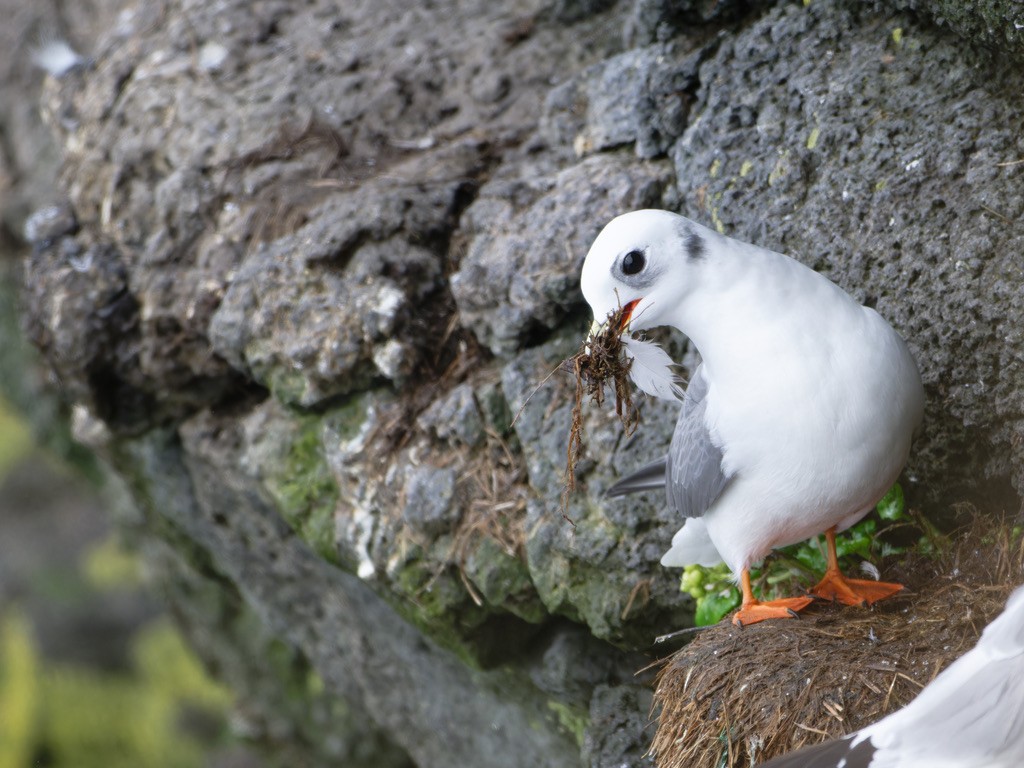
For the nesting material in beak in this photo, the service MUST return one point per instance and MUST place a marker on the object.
(601, 358)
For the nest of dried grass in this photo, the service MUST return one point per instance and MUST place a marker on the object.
(736, 697)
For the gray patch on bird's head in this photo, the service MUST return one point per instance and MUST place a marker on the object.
(695, 246)
(696, 249)
(693, 243)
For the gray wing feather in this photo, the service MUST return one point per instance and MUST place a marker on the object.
(692, 472)
(693, 468)
(650, 477)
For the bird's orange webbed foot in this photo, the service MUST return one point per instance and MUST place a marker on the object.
(836, 587)
(753, 610)
(784, 608)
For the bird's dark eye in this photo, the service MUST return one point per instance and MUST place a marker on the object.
(633, 262)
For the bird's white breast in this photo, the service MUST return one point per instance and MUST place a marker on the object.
(813, 398)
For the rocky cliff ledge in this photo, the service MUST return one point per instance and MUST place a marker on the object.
(303, 263)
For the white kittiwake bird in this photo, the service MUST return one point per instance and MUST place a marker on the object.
(970, 716)
(800, 416)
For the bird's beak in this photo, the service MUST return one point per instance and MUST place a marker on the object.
(597, 326)
(627, 314)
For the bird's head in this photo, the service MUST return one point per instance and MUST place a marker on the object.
(645, 263)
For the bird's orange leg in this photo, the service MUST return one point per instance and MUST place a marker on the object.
(752, 610)
(835, 586)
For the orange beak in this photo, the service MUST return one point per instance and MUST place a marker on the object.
(627, 313)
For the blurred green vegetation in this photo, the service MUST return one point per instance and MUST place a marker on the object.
(57, 714)
(15, 439)
(19, 693)
(161, 711)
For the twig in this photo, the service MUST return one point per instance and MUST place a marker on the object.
(678, 632)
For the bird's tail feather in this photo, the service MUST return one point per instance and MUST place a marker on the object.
(650, 477)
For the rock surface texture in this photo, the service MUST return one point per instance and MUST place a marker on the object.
(304, 265)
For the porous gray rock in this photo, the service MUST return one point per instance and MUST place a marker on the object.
(428, 499)
(520, 275)
(380, 665)
(593, 562)
(616, 720)
(311, 274)
(456, 416)
(995, 24)
(652, 21)
(640, 98)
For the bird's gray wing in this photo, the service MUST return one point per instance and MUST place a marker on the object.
(694, 478)
(692, 471)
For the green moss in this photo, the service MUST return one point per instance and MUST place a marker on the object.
(304, 488)
(572, 719)
(61, 584)
(583, 589)
(440, 599)
(306, 492)
(349, 419)
(494, 408)
(288, 385)
(166, 664)
(299, 681)
(989, 22)
(439, 604)
(504, 581)
(430, 592)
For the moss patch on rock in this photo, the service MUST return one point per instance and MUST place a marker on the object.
(572, 719)
(306, 492)
(503, 580)
(438, 603)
